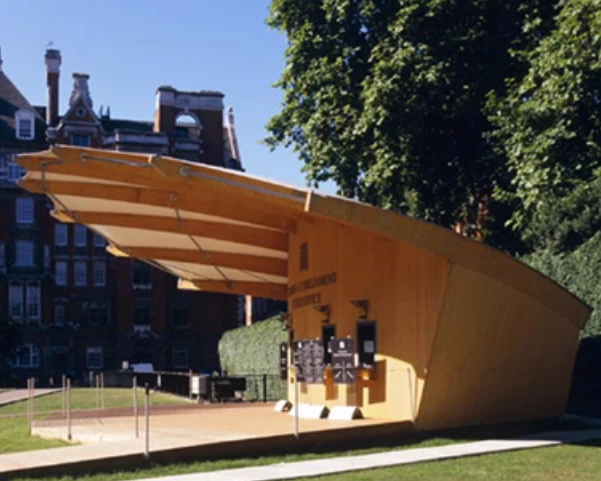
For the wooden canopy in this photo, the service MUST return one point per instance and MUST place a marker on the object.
(223, 231)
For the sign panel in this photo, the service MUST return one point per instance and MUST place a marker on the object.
(308, 359)
(343, 360)
(283, 361)
(297, 347)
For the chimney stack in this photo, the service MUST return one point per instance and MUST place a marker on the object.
(53, 63)
(81, 90)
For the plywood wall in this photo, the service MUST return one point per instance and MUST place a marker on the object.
(405, 286)
(498, 356)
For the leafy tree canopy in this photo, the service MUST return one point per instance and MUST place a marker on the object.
(549, 128)
(388, 98)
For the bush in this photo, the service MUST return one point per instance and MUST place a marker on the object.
(253, 352)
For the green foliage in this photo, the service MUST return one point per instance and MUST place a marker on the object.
(549, 123)
(579, 272)
(388, 98)
(253, 351)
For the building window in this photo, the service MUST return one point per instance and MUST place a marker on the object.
(24, 121)
(366, 344)
(95, 358)
(15, 172)
(15, 300)
(81, 273)
(60, 273)
(304, 256)
(33, 301)
(46, 257)
(142, 275)
(2, 256)
(99, 240)
(80, 140)
(81, 239)
(99, 273)
(180, 317)
(142, 315)
(94, 313)
(27, 356)
(60, 235)
(80, 111)
(4, 161)
(180, 358)
(24, 253)
(24, 210)
(60, 316)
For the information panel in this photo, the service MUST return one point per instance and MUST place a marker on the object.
(283, 361)
(308, 359)
(343, 360)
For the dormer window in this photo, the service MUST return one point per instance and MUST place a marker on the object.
(24, 122)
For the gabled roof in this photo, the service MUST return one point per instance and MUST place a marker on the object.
(11, 100)
(224, 231)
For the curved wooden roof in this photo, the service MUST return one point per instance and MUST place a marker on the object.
(223, 231)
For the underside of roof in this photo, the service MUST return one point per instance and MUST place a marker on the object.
(223, 231)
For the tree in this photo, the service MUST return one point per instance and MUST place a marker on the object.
(388, 98)
(549, 128)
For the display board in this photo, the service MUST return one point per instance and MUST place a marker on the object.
(343, 360)
(308, 360)
(283, 361)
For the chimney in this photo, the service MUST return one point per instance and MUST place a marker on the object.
(53, 64)
(81, 90)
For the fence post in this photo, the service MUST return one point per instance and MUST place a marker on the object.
(97, 378)
(135, 386)
(264, 388)
(147, 413)
(29, 409)
(69, 436)
(295, 401)
(102, 390)
(190, 383)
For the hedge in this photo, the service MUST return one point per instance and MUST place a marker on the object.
(253, 352)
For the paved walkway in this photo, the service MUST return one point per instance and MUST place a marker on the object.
(15, 395)
(345, 464)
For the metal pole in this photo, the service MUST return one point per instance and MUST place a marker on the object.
(190, 383)
(264, 388)
(147, 412)
(69, 435)
(296, 402)
(32, 400)
(136, 406)
(102, 390)
(97, 378)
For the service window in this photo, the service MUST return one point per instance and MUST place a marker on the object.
(327, 332)
(366, 344)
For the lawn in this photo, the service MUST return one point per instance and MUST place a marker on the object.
(13, 431)
(574, 463)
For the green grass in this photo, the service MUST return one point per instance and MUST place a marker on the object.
(85, 398)
(560, 463)
(573, 463)
(13, 431)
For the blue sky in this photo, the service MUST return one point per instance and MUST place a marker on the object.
(131, 47)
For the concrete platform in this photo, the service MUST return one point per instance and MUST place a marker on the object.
(110, 443)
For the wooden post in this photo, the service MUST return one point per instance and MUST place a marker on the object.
(102, 390)
(264, 388)
(135, 388)
(69, 434)
(64, 387)
(147, 413)
(29, 410)
(97, 378)
(190, 383)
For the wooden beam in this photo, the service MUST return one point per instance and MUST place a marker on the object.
(163, 172)
(258, 264)
(248, 235)
(257, 289)
(202, 202)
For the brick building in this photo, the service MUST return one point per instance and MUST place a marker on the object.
(81, 309)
